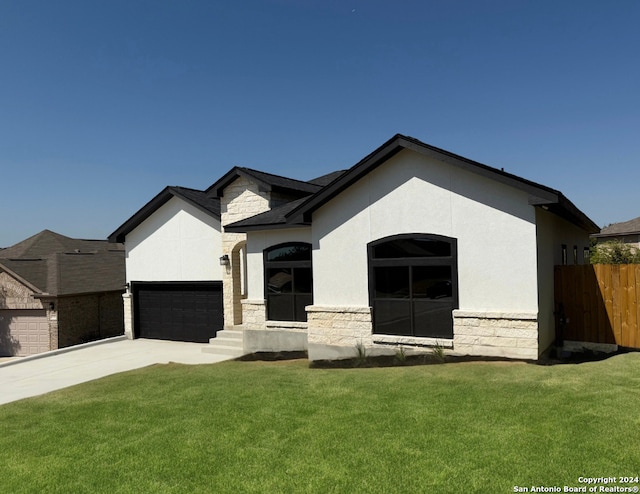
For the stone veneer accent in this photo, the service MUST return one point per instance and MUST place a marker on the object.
(127, 299)
(254, 317)
(254, 314)
(14, 295)
(490, 334)
(242, 199)
(260, 335)
(496, 334)
(339, 326)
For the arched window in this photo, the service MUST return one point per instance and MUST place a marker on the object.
(288, 281)
(413, 286)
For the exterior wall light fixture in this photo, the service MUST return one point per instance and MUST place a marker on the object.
(224, 260)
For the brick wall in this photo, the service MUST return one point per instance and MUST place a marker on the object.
(89, 317)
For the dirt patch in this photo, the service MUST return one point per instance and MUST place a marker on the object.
(394, 361)
(369, 361)
(552, 358)
(558, 357)
(273, 356)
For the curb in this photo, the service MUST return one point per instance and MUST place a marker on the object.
(59, 351)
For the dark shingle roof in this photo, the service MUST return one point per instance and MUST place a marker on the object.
(88, 273)
(46, 242)
(265, 181)
(57, 265)
(325, 180)
(32, 271)
(299, 213)
(631, 227)
(274, 218)
(199, 199)
(539, 195)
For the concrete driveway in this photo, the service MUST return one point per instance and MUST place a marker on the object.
(32, 376)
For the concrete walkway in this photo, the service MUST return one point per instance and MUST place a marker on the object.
(32, 376)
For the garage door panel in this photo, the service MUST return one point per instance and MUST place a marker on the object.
(178, 311)
(23, 332)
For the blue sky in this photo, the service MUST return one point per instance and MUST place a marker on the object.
(104, 103)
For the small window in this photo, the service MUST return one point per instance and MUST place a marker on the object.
(586, 255)
(575, 254)
(564, 255)
(288, 281)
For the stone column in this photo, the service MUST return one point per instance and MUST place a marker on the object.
(127, 300)
(242, 199)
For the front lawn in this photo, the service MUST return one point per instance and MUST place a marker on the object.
(270, 427)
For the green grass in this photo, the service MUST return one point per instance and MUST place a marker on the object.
(243, 427)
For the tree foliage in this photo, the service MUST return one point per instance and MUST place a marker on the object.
(614, 252)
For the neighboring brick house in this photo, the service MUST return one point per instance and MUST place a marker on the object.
(412, 246)
(627, 232)
(57, 291)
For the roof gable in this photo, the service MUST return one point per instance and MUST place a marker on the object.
(197, 198)
(539, 195)
(266, 182)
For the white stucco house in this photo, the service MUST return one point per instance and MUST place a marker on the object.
(412, 246)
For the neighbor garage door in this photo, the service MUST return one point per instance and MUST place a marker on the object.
(23, 332)
(181, 311)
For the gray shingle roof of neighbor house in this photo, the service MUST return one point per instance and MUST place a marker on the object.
(631, 227)
(205, 203)
(47, 242)
(300, 213)
(52, 264)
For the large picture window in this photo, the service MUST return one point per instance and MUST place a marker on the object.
(413, 285)
(288, 281)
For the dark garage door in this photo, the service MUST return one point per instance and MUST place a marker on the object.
(180, 311)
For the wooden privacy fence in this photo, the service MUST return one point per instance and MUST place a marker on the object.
(601, 303)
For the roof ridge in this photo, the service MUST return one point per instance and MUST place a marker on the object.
(185, 188)
(247, 169)
(541, 194)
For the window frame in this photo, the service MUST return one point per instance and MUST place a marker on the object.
(267, 265)
(411, 262)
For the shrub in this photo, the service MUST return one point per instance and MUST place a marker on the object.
(614, 252)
